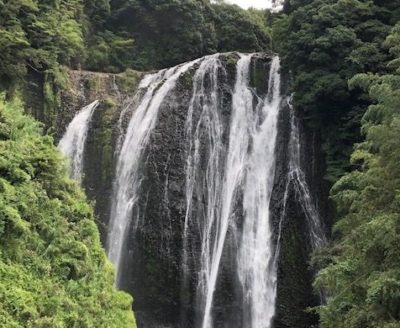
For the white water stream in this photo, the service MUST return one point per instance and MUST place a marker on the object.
(73, 142)
(230, 172)
(216, 175)
(128, 176)
(256, 253)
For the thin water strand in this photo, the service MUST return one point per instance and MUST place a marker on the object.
(297, 177)
(297, 180)
(73, 142)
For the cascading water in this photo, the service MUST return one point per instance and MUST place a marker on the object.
(207, 151)
(297, 179)
(256, 271)
(209, 127)
(245, 166)
(242, 106)
(128, 176)
(143, 93)
(73, 142)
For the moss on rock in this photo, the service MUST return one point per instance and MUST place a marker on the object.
(128, 81)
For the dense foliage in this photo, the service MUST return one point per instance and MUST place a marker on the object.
(38, 35)
(324, 43)
(113, 35)
(167, 33)
(53, 270)
(344, 59)
(363, 277)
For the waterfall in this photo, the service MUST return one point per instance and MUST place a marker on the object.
(131, 103)
(242, 106)
(218, 172)
(73, 142)
(256, 271)
(297, 179)
(206, 101)
(218, 160)
(127, 177)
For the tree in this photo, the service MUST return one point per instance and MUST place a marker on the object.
(38, 35)
(363, 277)
(324, 43)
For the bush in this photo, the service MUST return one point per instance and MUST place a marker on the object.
(53, 270)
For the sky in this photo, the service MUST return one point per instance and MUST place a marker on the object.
(260, 4)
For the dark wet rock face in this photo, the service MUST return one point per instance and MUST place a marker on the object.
(294, 290)
(153, 254)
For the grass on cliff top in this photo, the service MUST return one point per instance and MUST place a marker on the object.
(53, 270)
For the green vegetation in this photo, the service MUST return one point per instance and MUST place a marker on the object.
(38, 35)
(363, 277)
(167, 33)
(53, 271)
(344, 57)
(115, 35)
(38, 38)
(128, 80)
(324, 43)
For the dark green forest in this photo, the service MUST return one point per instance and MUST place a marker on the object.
(344, 57)
(343, 61)
(111, 36)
